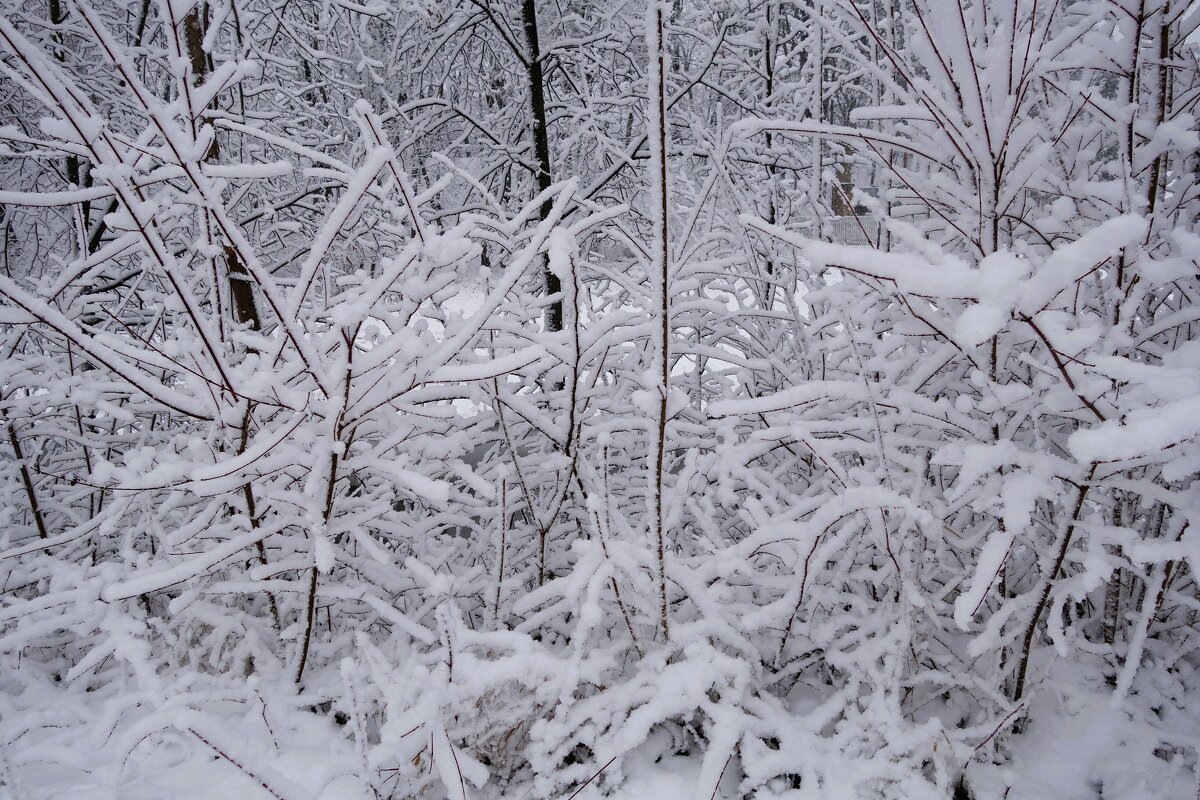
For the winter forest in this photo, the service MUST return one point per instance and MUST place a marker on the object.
(580, 399)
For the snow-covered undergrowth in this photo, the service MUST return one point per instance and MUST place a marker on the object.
(214, 739)
(468, 400)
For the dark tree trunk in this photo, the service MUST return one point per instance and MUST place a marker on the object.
(541, 147)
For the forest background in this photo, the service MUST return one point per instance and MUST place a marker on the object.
(515, 398)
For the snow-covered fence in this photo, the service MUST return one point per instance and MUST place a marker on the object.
(856, 230)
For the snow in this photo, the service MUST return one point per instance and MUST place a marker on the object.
(300, 498)
(1079, 748)
(1143, 432)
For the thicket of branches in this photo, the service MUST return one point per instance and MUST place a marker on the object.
(480, 381)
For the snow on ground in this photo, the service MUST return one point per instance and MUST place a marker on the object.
(1076, 746)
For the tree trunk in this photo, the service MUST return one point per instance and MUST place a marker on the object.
(541, 149)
